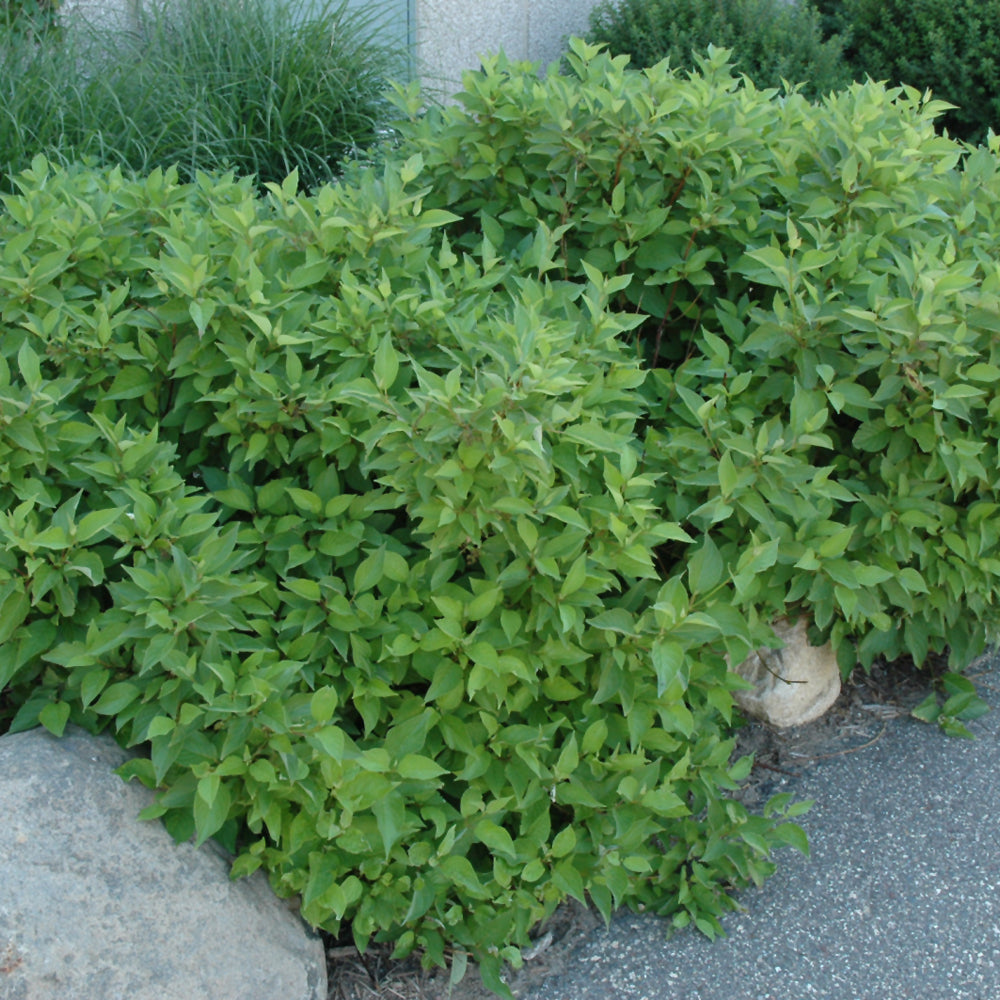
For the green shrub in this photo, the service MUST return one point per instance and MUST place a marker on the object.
(947, 46)
(821, 307)
(771, 40)
(255, 86)
(834, 19)
(409, 527)
(346, 531)
(28, 17)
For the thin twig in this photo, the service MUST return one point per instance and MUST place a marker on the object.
(773, 767)
(841, 753)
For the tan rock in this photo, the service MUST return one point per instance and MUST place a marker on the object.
(792, 685)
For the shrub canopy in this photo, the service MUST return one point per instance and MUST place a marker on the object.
(771, 40)
(346, 531)
(409, 527)
(947, 46)
(815, 295)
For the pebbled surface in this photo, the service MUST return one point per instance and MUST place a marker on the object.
(900, 899)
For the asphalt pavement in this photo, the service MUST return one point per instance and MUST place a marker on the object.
(899, 899)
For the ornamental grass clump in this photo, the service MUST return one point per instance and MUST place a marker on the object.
(256, 86)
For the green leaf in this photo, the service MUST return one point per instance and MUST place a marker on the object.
(130, 383)
(54, 717)
(705, 567)
(258, 444)
(27, 363)
(564, 843)
(386, 365)
(912, 581)
(244, 865)
(116, 697)
(14, 609)
(794, 836)
(460, 871)
(869, 576)
(740, 771)
(306, 275)
(483, 604)
(211, 807)
(952, 727)
(669, 664)
(849, 173)
(778, 804)
(201, 312)
(533, 870)
(305, 500)
(369, 572)
(569, 758)
(459, 966)
(97, 522)
(323, 704)
(575, 577)
(438, 217)
(983, 373)
(93, 684)
(928, 710)
(614, 620)
(162, 725)
(560, 689)
(490, 967)
(496, 838)
(961, 391)
(568, 880)
(418, 767)
(847, 599)
(836, 544)
(728, 476)
(594, 738)
(307, 589)
(390, 817)
(331, 741)
(663, 801)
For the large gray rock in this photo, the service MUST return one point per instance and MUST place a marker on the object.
(792, 685)
(96, 905)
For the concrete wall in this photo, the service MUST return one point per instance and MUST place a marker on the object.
(452, 34)
(449, 35)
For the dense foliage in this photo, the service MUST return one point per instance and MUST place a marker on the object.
(409, 527)
(28, 17)
(821, 310)
(948, 46)
(771, 40)
(347, 532)
(258, 86)
(834, 19)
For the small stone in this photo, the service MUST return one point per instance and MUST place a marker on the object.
(98, 905)
(793, 685)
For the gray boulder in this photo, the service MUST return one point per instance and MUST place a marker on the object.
(97, 905)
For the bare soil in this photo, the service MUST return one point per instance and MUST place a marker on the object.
(860, 718)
